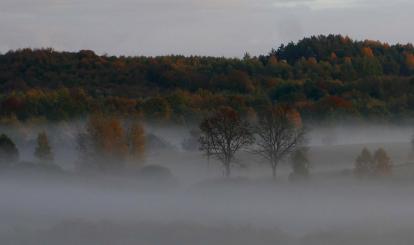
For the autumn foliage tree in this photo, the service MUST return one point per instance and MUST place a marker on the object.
(106, 137)
(223, 134)
(136, 142)
(108, 142)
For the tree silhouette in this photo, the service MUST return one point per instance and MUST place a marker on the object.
(223, 135)
(8, 151)
(278, 136)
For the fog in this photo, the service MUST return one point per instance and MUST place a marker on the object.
(197, 205)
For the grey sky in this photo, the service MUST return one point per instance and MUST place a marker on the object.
(202, 27)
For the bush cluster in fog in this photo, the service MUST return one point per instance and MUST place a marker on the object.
(368, 164)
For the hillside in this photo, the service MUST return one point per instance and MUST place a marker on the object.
(322, 77)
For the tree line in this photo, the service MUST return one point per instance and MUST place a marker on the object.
(322, 77)
(107, 144)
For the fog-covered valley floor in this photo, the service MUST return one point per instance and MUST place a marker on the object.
(199, 206)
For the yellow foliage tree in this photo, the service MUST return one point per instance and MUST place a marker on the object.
(367, 52)
(136, 141)
(108, 141)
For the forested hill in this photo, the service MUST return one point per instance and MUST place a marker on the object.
(322, 77)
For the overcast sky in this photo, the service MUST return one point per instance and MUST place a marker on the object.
(200, 27)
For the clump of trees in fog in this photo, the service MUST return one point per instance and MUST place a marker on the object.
(109, 145)
(377, 164)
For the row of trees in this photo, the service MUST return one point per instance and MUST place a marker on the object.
(277, 133)
(321, 77)
(106, 144)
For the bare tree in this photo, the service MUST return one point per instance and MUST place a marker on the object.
(223, 135)
(278, 135)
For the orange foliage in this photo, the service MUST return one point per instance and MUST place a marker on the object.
(367, 52)
(295, 117)
(409, 59)
(333, 56)
(107, 135)
(312, 61)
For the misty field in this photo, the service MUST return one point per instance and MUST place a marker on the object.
(192, 203)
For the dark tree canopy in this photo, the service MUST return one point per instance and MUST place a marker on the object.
(8, 151)
(322, 77)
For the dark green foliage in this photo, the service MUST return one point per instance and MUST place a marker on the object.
(373, 78)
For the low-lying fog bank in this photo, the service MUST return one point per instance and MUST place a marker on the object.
(83, 210)
(179, 199)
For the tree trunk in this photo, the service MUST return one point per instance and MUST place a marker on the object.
(274, 172)
(227, 170)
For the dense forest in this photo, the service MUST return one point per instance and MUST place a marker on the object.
(322, 77)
